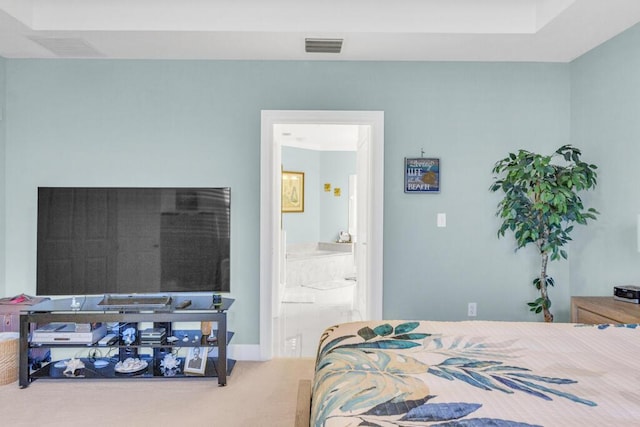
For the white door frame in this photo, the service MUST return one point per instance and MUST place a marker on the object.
(270, 203)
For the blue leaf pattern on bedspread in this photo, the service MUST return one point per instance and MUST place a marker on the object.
(483, 422)
(615, 325)
(441, 411)
(395, 395)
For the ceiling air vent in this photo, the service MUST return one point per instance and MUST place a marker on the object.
(323, 45)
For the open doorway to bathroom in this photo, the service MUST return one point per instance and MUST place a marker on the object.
(318, 280)
(322, 264)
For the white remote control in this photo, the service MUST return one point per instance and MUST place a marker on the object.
(108, 339)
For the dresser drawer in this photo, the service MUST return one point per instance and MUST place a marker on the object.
(597, 310)
(584, 316)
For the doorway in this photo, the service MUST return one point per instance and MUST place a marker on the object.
(368, 246)
(318, 280)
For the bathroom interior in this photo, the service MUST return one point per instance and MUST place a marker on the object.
(318, 284)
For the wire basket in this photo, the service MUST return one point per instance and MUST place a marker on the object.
(9, 349)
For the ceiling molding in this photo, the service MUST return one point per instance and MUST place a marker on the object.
(373, 30)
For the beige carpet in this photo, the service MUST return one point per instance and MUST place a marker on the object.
(257, 394)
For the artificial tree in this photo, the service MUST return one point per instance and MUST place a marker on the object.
(540, 205)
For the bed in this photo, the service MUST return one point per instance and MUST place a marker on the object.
(474, 373)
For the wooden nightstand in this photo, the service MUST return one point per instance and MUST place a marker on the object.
(596, 310)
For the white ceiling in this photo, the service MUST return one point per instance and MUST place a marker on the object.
(325, 137)
(402, 30)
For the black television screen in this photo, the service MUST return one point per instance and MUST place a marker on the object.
(133, 240)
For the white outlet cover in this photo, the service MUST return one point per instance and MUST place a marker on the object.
(442, 220)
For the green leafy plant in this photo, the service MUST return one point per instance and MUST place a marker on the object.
(541, 204)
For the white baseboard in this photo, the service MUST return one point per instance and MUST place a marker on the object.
(244, 351)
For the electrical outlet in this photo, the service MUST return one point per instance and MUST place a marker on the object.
(472, 309)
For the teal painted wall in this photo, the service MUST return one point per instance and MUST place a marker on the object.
(335, 168)
(325, 215)
(303, 227)
(605, 100)
(134, 123)
(2, 177)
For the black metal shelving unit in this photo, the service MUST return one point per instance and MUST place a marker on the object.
(103, 359)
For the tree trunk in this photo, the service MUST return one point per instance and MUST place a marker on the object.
(548, 317)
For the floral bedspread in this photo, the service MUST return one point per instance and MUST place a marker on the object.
(476, 373)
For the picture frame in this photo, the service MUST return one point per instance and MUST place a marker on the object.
(292, 192)
(196, 361)
(421, 175)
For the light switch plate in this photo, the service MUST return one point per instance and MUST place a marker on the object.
(442, 220)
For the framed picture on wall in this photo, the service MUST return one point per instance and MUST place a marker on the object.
(421, 175)
(292, 191)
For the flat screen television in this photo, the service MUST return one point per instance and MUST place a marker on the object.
(133, 240)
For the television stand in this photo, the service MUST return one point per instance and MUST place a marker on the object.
(101, 361)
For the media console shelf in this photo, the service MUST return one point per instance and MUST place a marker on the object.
(100, 361)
